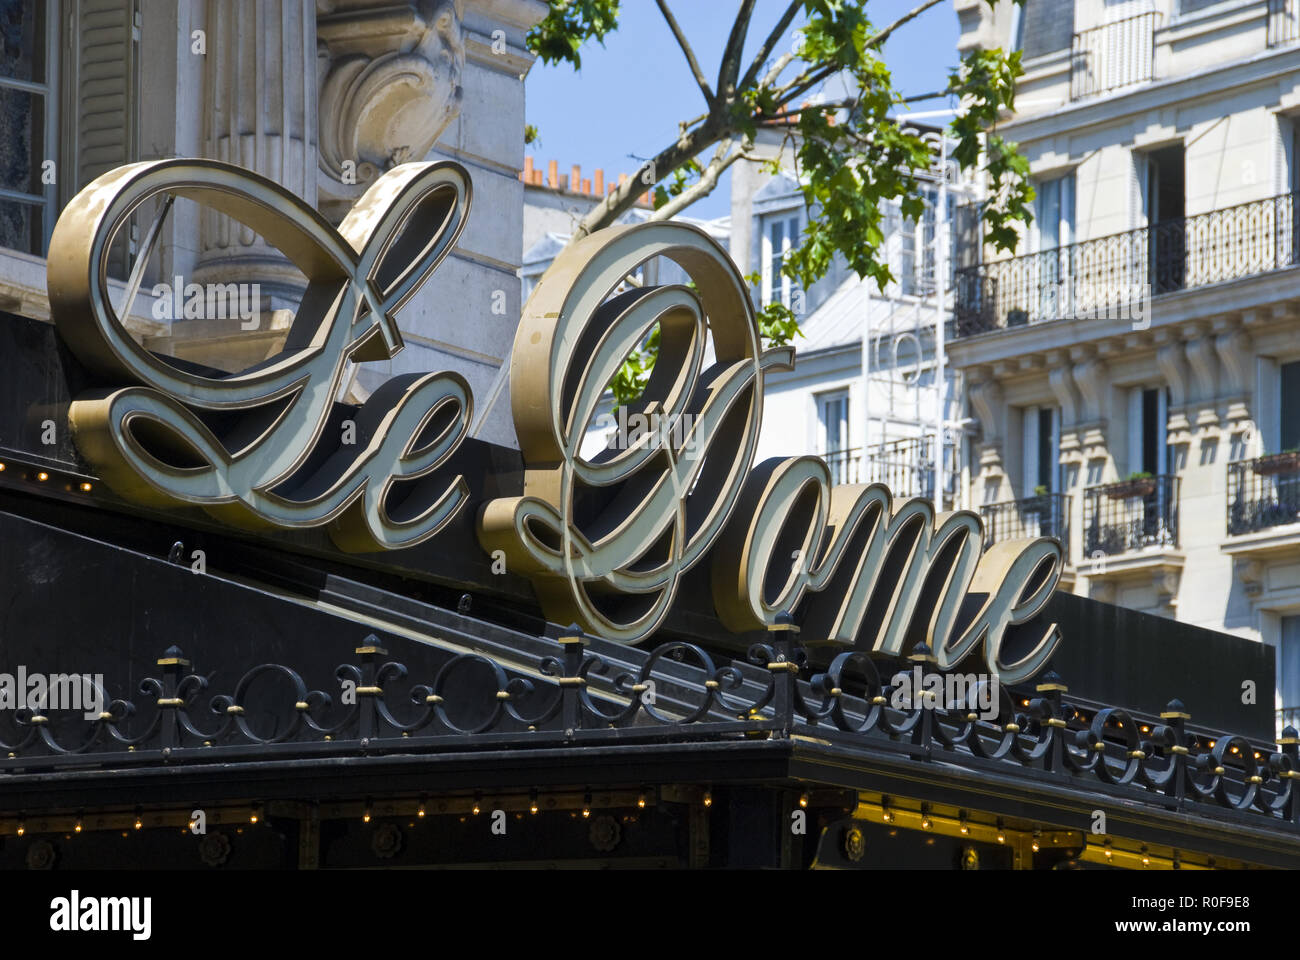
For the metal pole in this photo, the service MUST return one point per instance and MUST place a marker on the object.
(864, 467)
(940, 286)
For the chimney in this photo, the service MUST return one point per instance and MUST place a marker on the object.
(537, 177)
(598, 184)
(575, 178)
(527, 175)
(553, 175)
(586, 187)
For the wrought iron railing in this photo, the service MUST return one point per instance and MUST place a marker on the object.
(1282, 21)
(1113, 55)
(580, 697)
(1131, 515)
(1116, 276)
(1045, 515)
(1263, 493)
(906, 466)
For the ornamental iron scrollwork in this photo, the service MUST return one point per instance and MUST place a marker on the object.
(677, 693)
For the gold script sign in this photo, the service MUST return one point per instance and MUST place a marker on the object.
(237, 445)
(605, 539)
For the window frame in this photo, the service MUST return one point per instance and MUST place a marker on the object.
(768, 275)
(824, 399)
(1032, 449)
(46, 202)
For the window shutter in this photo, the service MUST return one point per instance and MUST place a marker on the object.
(101, 97)
(103, 86)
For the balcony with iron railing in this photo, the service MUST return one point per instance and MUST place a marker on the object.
(1130, 516)
(1113, 56)
(1283, 21)
(1263, 493)
(1043, 515)
(1117, 276)
(906, 466)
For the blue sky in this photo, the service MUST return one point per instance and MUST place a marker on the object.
(631, 94)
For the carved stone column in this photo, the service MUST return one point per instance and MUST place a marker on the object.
(260, 112)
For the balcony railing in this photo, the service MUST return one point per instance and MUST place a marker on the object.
(1263, 493)
(1116, 276)
(1282, 21)
(1045, 515)
(1130, 515)
(1113, 55)
(905, 466)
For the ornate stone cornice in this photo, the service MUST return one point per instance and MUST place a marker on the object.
(390, 85)
(1233, 344)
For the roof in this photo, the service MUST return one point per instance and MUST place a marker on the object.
(840, 320)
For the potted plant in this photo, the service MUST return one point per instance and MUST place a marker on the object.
(1135, 485)
(1288, 461)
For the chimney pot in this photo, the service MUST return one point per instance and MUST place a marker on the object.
(598, 182)
(586, 187)
(575, 178)
(553, 175)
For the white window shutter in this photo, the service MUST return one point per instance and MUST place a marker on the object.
(101, 85)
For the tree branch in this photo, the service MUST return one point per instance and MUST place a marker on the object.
(778, 68)
(727, 153)
(770, 44)
(912, 14)
(623, 197)
(729, 69)
(803, 83)
(691, 61)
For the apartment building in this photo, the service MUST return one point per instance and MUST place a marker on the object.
(867, 393)
(1134, 368)
(863, 392)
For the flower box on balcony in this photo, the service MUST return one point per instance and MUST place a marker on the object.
(1278, 463)
(1128, 489)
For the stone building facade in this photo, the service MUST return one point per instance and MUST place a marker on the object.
(1135, 367)
(319, 95)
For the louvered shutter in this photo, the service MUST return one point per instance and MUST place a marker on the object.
(101, 97)
(103, 89)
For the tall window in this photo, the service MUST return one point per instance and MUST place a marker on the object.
(780, 236)
(1289, 384)
(1148, 413)
(27, 116)
(1052, 234)
(1166, 208)
(1054, 212)
(833, 423)
(916, 276)
(1042, 427)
